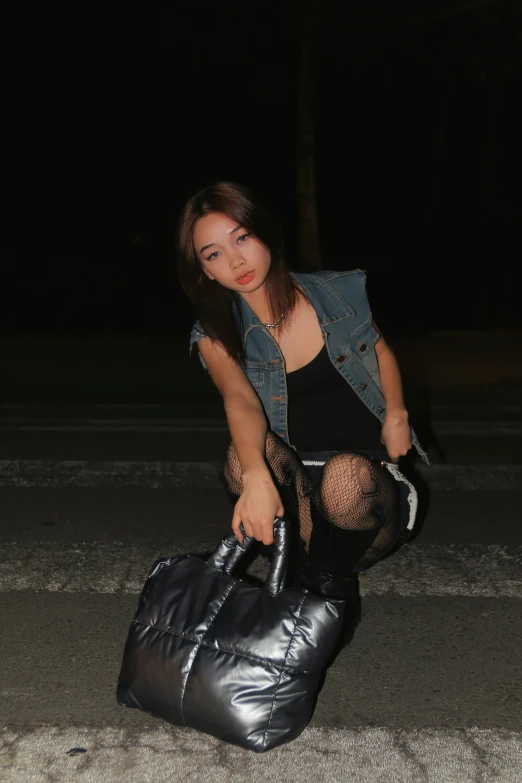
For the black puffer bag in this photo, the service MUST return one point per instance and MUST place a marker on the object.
(217, 654)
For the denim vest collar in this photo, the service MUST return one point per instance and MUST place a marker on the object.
(329, 306)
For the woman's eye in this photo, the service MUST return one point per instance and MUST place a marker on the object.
(212, 255)
(243, 237)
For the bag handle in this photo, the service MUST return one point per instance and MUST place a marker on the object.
(230, 551)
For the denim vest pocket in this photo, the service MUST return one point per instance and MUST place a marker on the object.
(362, 345)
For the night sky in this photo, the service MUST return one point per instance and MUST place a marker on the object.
(114, 119)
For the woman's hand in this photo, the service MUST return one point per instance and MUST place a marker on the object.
(258, 505)
(396, 434)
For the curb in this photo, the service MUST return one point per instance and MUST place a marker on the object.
(204, 475)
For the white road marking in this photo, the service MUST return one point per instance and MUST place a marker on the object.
(111, 425)
(154, 473)
(165, 753)
(475, 427)
(493, 571)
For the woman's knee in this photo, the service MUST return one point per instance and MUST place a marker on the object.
(351, 472)
(355, 490)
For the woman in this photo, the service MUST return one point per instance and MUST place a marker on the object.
(312, 392)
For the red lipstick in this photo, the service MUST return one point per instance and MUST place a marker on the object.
(246, 278)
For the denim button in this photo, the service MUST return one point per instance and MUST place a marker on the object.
(363, 386)
(341, 358)
(362, 347)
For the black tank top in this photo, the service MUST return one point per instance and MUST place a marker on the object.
(324, 412)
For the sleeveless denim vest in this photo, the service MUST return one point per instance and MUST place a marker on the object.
(343, 310)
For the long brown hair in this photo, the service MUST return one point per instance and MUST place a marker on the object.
(214, 304)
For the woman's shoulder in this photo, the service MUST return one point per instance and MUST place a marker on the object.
(347, 283)
(331, 275)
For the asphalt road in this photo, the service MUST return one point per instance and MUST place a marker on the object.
(108, 460)
(428, 690)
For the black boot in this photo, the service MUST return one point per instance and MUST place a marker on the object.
(333, 553)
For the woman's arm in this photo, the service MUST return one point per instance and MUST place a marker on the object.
(396, 434)
(259, 502)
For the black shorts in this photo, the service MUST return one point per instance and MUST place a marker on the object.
(314, 462)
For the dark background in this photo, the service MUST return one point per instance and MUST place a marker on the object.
(111, 119)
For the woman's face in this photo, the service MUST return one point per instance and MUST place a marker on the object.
(229, 254)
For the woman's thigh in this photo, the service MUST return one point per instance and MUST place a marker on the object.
(357, 493)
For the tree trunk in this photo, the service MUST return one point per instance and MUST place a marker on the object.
(490, 146)
(310, 252)
(440, 150)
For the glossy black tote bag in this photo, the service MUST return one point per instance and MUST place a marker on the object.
(215, 653)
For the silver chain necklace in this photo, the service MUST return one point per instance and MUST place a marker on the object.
(276, 323)
(281, 320)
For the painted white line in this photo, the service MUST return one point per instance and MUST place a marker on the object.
(154, 473)
(471, 428)
(452, 570)
(177, 410)
(110, 425)
(492, 571)
(166, 753)
(479, 430)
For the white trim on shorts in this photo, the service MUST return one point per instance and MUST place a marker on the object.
(391, 467)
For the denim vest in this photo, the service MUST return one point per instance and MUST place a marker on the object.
(343, 310)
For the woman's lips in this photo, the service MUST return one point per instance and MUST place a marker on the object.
(246, 278)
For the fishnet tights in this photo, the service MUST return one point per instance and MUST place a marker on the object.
(289, 476)
(355, 493)
(358, 493)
